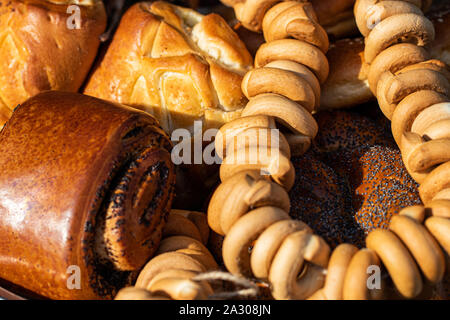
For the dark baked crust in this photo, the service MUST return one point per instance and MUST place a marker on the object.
(351, 181)
(68, 162)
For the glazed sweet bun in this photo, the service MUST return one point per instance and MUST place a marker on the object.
(99, 182)
(39, 52)
(176, 64)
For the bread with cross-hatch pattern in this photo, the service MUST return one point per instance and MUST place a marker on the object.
(176, 64)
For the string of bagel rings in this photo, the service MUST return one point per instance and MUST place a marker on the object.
(250, 207)
(181, 256)
(183, 268)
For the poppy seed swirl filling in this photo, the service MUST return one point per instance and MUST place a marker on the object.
(85, 189)
(132, 207)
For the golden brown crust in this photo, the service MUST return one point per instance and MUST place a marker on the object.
(5, 114)
(427, 159)
(196, 77)
(37, 50)
(339, 23)
(347, 84)
(85, 162)
(336, 16)
(261, 240)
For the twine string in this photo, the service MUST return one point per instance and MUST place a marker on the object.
(249, 288)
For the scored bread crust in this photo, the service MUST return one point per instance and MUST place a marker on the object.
(176, 64)
(39, 52)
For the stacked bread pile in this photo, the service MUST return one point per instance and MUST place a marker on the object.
(305, 200)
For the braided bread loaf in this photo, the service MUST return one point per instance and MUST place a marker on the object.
(181, 256)
(176, 64)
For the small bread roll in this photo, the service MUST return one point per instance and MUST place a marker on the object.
(40, 52)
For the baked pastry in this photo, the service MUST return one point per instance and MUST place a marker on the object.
(412, 91)
(84, 184)
(365, 171)
(115, 9)
(176, 64)
(347, 84)
(250, 207)
(336, 16)
(39, 52)
(345, 131)
(5, 114)
(320, 199)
